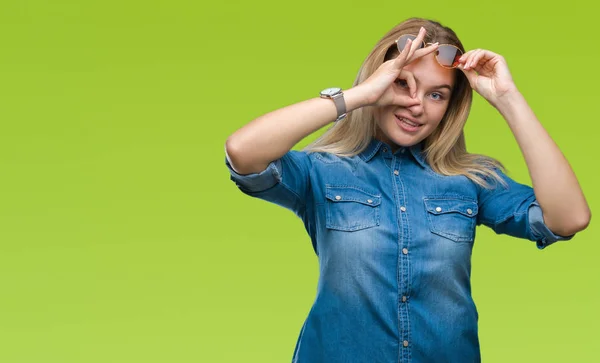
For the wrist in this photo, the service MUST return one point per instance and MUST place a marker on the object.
(355, 97)
(508, 100)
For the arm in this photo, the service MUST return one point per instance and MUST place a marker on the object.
(269, 137)
(556, 188)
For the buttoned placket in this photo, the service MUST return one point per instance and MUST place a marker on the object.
(403, 256)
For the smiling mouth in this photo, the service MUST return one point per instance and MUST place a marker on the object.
(408, 122)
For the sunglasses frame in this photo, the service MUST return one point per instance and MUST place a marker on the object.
(423, 45)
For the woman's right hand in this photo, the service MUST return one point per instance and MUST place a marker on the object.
(381, 88)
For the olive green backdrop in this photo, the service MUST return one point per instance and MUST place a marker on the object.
(122, 238)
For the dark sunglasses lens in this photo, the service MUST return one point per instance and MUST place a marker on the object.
(403, 39)
(448, 55)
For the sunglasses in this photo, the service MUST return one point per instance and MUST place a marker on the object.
(447, 55)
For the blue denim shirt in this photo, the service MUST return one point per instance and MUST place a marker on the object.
(394, 242)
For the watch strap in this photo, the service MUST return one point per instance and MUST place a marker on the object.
(340, 105)
(338, 101)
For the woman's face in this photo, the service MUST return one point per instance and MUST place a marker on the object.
(434, 87)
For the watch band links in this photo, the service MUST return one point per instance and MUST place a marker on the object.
(340, 105)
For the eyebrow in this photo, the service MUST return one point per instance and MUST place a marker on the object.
(443, 86)
(447, 86)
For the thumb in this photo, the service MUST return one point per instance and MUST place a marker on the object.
(470, 74)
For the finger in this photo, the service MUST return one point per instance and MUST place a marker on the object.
(421, 36)
(464, 59)
(482, 61)
(410, 80)
(470, 74)
(479, 60)
(418, 42)
(469, 61)
(476, 58)
(427, 50)
(401, 60)
(467, 54)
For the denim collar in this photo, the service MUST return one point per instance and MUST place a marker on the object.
(376, 145)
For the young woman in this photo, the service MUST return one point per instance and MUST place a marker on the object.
(390, 197)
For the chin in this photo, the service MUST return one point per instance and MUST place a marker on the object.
(400, 138)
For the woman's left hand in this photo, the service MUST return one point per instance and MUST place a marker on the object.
(487, 73)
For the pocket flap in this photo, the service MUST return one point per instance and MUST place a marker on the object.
(449, 205)
(351, 194)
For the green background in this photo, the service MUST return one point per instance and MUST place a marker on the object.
(122, 238)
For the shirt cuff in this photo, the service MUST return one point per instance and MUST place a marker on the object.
(256, 182)
(544, 237)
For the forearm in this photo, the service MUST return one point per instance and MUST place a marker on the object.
(251, 148)
(555, 185)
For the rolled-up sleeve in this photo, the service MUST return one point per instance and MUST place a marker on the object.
(543, 236)
(285, 181)
(514, 210)
(256, 182)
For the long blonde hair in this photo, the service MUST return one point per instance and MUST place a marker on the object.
(445, 149)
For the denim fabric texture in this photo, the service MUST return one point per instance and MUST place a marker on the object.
(394, 242)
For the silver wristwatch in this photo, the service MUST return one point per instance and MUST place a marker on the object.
(337, 96)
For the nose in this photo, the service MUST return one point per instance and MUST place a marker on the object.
(415, 106)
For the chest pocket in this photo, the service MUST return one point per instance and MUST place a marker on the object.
(351, 209)
(453, 218)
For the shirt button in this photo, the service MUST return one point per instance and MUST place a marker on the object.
(438, 209)
(369, 201)
(405, 251)
(469, 211)
(405, 343)
(403, 208)
(337, 197)
(385, 149)
(396, 172)
(402, 151)
(403, 298)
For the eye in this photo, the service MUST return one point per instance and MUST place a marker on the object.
(402, 83)
(437, 96)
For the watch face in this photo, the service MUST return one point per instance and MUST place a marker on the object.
(331, 91)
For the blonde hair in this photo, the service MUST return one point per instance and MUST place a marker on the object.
(445, 149)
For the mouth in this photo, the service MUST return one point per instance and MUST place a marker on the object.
(408, 123)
